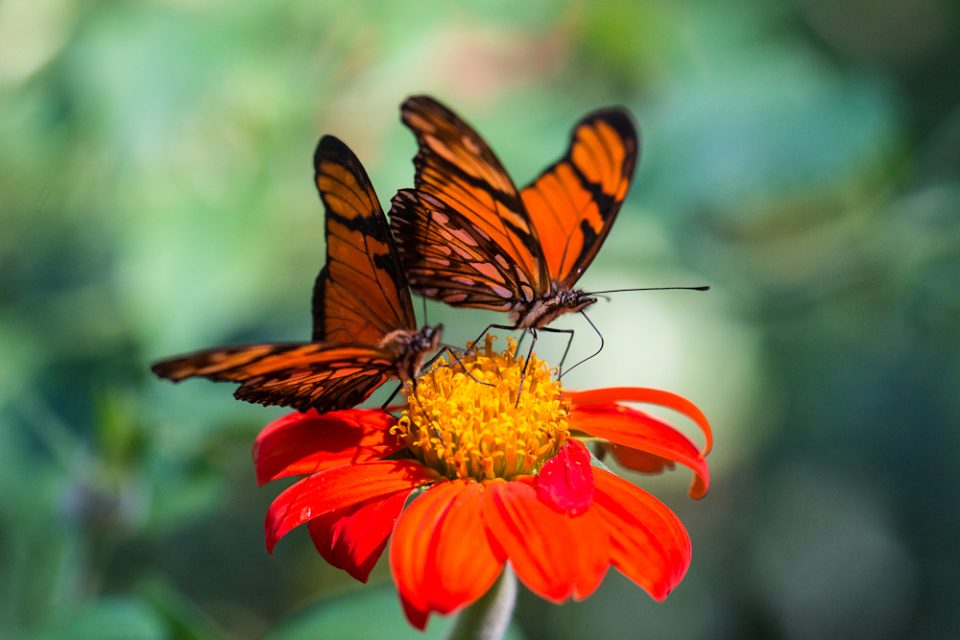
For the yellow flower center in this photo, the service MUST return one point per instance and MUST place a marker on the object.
(465, 429)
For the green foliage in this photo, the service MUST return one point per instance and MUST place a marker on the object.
(156, 196)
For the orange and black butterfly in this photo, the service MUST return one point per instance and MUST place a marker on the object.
(469, 237)
(364, 327)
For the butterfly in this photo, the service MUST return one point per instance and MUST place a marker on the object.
(468, 237)
(364, 327)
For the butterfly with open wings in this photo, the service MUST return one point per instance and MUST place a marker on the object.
(364, 327)
(468, 237)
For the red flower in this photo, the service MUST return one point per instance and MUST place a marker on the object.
(524, 494)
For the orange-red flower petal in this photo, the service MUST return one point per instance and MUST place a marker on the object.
(647, 542)
(301, 443)
(648, 396)
(339, 488)
(629, 427)
(440, 555)
(353, 538)
(556, 556)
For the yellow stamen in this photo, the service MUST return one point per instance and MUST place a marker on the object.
(465, 429)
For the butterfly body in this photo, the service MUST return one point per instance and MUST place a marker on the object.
(409, 349)
(545, 309)
(364, 327)
(468, 237)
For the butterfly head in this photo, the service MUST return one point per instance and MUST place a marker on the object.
(423, 342)
(574, 300)
(427, 339)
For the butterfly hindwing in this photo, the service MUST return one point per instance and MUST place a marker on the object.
(325, 376)
(361, 294)
(574, 202)
(455, 165)
(450, 260)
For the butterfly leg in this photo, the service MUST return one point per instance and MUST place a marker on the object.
(386, 405)
(523, 335)
(593, 355)
(416, 398)
(452, 350)
(566, 350)
(502, 327)
(456, 360)
(526, 363)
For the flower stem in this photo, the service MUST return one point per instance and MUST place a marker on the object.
(488, 617)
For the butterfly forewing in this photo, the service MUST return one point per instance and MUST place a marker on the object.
(574, 202)
(364, 325)
(456, 166)
(361, 295)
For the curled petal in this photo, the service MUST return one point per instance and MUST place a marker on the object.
(566, 480)
(353, 538)
(631, 428)
(302, 443)
(648, 543)
(440, 555)
(649, 396)
(555, 555)
(339, 488)
(639, 460)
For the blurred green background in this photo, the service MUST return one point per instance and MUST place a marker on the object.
(156, 196)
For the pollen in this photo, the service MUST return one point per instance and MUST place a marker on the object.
(463, 418)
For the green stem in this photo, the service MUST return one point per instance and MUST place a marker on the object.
(488, 617)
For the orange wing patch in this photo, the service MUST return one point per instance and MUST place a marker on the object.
(363, 317)
(574, 202)
(361, 295)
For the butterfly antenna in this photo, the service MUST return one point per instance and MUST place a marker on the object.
(423, 299)
(700, 288)
(595, 354)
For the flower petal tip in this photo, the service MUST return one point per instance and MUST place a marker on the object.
(415, 616)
